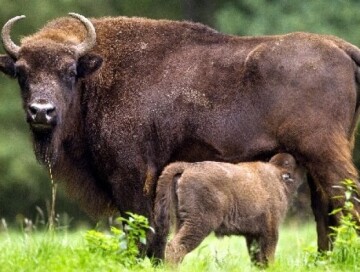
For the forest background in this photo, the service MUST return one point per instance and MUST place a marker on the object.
(25, 189)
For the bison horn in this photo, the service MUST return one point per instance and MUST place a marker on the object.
(90, 39)
(10, 47)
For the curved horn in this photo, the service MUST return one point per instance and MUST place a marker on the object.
(90, 39)
(10, 47)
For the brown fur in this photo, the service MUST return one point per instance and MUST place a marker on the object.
(247, 199)
(166, 91)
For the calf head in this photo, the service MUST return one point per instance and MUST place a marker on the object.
(48, 70)
(291, 172)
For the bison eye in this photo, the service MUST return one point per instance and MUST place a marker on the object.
(20, 70)
(71, 71)
(70, 75)
(21, 74)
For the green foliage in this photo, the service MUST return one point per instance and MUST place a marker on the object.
(347, 241)
(136, 227)
(121, 244)
(346, 246)
(259, 17)
(69, 251)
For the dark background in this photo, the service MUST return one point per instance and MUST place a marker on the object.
(25, 186)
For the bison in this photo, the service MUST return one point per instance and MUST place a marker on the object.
(111, 101)
(247, 199)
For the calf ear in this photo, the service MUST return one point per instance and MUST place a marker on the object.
(7, 66)
(88, 64)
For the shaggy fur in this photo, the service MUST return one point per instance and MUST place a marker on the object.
(155, 91)
(247, 199)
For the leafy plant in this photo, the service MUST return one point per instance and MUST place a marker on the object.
(347, 241)
(122, 244)
(346, 246)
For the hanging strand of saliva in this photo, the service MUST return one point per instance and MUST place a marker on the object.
(53, 198)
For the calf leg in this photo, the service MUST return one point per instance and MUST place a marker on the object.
(268, 244)
(185, 240)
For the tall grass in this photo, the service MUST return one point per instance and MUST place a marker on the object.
(345, 255)
(117, 250)
(64, 251)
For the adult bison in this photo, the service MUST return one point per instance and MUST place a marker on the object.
(111, 101)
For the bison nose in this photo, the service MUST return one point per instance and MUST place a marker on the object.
(42, 116)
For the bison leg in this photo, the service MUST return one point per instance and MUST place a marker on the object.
(329, 163)
(321, 209)
(156, 246)
(185, 240)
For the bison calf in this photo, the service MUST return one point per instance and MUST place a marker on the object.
(247, 199)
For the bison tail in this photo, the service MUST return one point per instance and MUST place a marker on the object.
(166, 198)
(351, 50)
(354, 53)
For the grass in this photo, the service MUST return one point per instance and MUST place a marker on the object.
(69, 251)
(230, 254)
(97, 251)
(50, 252)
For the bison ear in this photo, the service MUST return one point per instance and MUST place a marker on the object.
(7, 66)
(88, 64)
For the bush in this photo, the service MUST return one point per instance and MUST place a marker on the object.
(347, 241)
(122, 244)
(346, 245)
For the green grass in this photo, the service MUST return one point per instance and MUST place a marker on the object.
(70, 252)
(230, 253)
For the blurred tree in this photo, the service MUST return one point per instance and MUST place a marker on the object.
(259, 17)
(200, 10)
